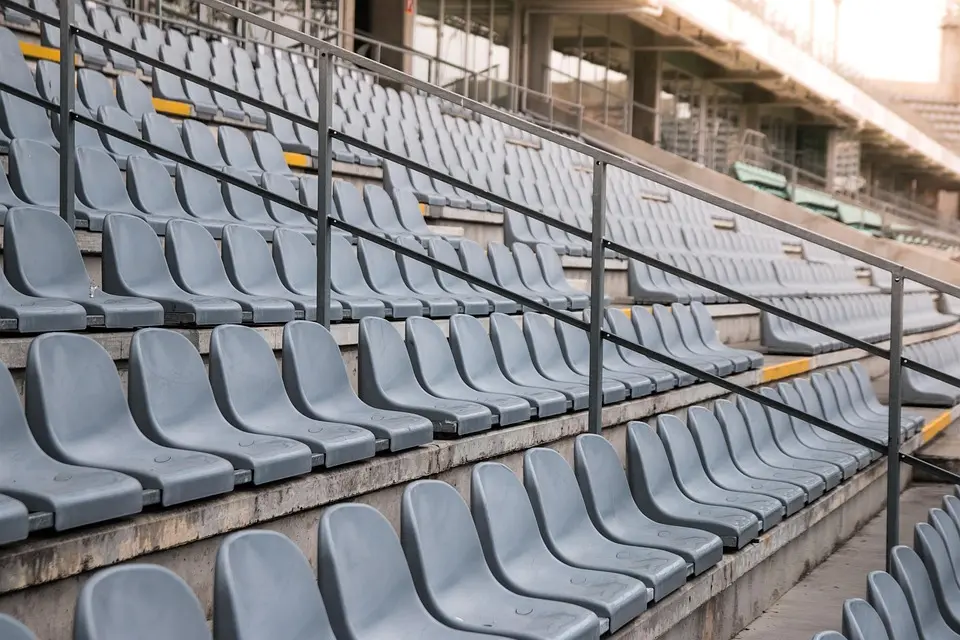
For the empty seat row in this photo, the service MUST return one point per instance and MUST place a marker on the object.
(920, 597)
(866, 317)
(85, 453)
(942, 354)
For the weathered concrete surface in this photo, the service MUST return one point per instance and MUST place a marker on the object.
(814, 604)
(943, 451)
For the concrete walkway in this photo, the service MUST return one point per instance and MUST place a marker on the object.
(814, 604)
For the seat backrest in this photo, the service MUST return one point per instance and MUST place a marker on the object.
(295, 259)
(908, 570)
(861, 621)
(264, 587)
(95, 90)
(553, 492)
(247, 260)
(119, 119)
(200, 143)
(132, 256)
(40, 254)
(138, 601)
(150, 189)
(235, 149)
(160, 131)
(888, 600)
(269, 153)
(944, 525)
(600, 475)
(99, 182)
(192, 255)
(30, 177)
(134, 96)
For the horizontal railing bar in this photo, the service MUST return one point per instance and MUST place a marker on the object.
(575, 145)
(929, 467)
(927, 370)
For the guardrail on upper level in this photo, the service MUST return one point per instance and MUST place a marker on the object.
(601, 162)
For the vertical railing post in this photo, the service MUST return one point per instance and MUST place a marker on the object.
(67, 96)
(893, 401)
(324, 185)
(595, 418)
(159, 14)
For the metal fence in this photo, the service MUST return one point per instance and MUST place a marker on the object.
(326, 57)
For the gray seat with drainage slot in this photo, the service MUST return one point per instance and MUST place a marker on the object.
(11, 629)
(172, 402)
(674, 345)
(133, 265)
(520, 560)
(387, 381)
(570, 535)
(861, 621)
(718, 462)
(757, 453)
(422, 280)
(296, 262)
(532, 276)
(517, 365)
(316, 381)
(839, 450)
(456, 585)
(553, 274)
(31, 238)
(380, 268)
(696, 483)
(264, 586)
(151, 191)
(250, 393)
(504, 269)
(437, 373)
(547, 356)
(249, 265)
(477, 362)
(658, 494)
(78, 413)
(932, 550)
(195, 265)
(908, 570)
(138, 600)
(440, 249)
(14, 521)
(101, 187)
(200, 194)
(75, 495)
(347, 278)
(616, 513)
(575, 346)
(365, 581)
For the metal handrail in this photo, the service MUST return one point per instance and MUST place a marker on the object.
(601, 161)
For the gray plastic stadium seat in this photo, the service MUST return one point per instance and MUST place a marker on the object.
(269, 153)
(33, 235)
(673, 344)
(548, 358)
(507, 276)
(347, 278)
(280, 185)
(757, 452)
(437, 373)
(133, 265)
(134, 97)
(296, 262)
(11, 629)
(101, 187)
(718, 461)
(31, 179)
(521, 561)
(366, 583)
(659, 495)
(8, 199)
(865, 401)
(531, 274)
(693, 480)
(26, 121)
(615, 512)
(387, 381)
(263, 587)
(932, 550)
(570, 535)
(150, 189)
(477, 362)
(861, 621)
(236, 150)
(829, 635)
(138, 600)
(421, 279)
(700, 335)
(39, 315)
(200, 194)
(620, 325)
(195, 265)
(383, 212)
(454, 582)
(944, 524)
(646, 284)
(380, 268)
(249, 265)
(75, 495)
(515, 361)
(200, 144)
(78, 413)
(440, 249)
(908, 570)
(172, 401)
(316, 381)
(552, 270)
(250, 393)
(14, 522)
(121, 150)
(160, 131)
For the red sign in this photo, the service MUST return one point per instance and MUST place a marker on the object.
(408, 6)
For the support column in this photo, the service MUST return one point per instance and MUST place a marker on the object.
(950, 55)
(347, 22)
(647, 82)
(392, 22)
(539, 39)
(948, 205)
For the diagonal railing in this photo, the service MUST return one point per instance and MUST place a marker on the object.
(601, 160)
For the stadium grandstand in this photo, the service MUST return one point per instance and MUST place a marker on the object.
(400, 319)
